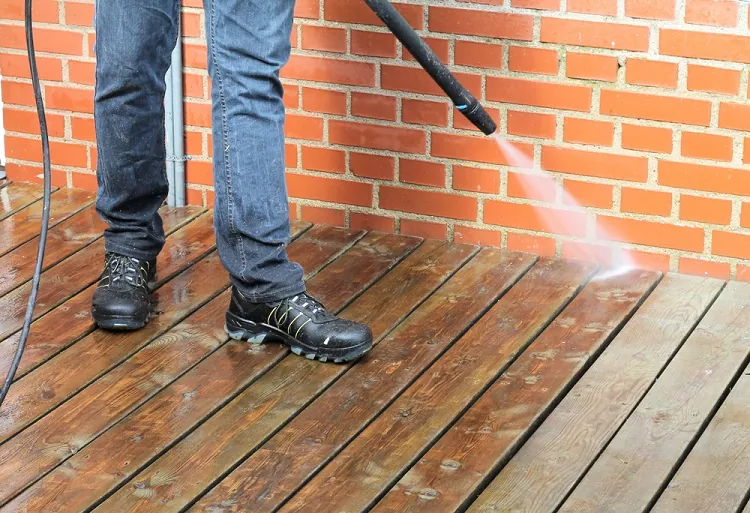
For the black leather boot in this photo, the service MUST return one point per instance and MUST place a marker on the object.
(121, 299)
(302, 323)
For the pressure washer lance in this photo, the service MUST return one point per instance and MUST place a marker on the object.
(463, 100)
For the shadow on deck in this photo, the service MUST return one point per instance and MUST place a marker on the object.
(500, 382)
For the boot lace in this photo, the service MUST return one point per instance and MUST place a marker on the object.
(123, 269)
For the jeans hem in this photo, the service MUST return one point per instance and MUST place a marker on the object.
(274, 296)
(129, 251)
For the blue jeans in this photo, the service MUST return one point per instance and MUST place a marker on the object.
(248, 42)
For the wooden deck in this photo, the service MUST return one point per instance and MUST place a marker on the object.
(499, 382)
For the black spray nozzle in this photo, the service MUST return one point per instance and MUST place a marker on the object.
(464, 101)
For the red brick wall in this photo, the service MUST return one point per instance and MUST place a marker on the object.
(638, 108)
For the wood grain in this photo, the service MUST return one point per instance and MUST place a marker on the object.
(143, 376)
(217, 445)
(398, 437)
(551, 462)
(445, 479)
(18, 195)
(26, 224)
(285, 462)
(640, 459)
(68, 372)
(69, 277)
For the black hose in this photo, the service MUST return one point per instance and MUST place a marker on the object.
(45, 211)
(464, 101)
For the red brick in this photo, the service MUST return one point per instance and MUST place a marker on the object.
(476, 180)
(45, 40)
(376, 44)
(423, 229)
(378, 167)
(422, 172)
(379, 137)
(306, 9)
(199, 172)
(532, 186)
(81, 72)
(735, 116)
(193, 143)
(467, 235)
(326, 39)
(746, 152)
(355, 11)
(323, 159)
(730, 244)
(198, 114)
(61, 153)
(550, 5)
(651, 73)
(713, 80)
(192, 85)
(531, 124)
(704, 45)
(588, 131)
(650, 9)
(191, 24)
(601, 255)
(440, 47)
(480, 55)
(481, 23)
(655, 107)
(424, 112)
(66, 98)
(646, 138)
(318, 215)
(27, 121)
(542, 246)
(650, 233)
(194, 196)
(743, 273)
(85, 181)
(605, 7)
(17, 93)
(416, 80)
(375, 106)
(460, 121)
(587, 194)
(591, 67)
(48, 68)
(745, 215)
(641, 201)
(334, 190)
(698, 267)
(290, 153)
(613, 36)
(707, 146)
(539, 219)
(79, 14)
(428, 203)
(303, 127)
(705, 210)
(371, 222)
(704, 178)
(474, 149)
(720, 13)
(83, 128)
(42, 11)
(646, 260)
(539, 94)
(334, 71)
(195, 56)
(602, 165)
(532, 60)
(325, 101)
(24, 173)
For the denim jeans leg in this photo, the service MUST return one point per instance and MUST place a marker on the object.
(134, 41)
(248, 43)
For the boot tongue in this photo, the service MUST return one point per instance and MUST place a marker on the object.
(125, 270)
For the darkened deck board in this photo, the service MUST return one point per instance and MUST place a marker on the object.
(445, 414)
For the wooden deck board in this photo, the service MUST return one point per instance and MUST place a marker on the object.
(497, 382)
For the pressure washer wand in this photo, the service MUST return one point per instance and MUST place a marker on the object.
(464, 101)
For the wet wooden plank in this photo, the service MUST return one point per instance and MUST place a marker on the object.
(550, 463)
(641, 458)
(713, 478)
(154, 427)
(27, 223)
(217, 445)
(69, 236)
(445, 479)
(46, 339)
(80, 420)
(19, 195)
(67, 278)
(269, 477)
(397, 438)
(68, 372)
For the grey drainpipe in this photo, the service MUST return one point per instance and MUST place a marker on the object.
(174, 128)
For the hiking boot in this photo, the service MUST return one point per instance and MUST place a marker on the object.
(302, 323)
(121, 299)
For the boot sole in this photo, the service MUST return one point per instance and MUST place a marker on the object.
(120, 323)
(254, 333)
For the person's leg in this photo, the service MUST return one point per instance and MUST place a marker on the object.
(134, 40)
(248, 43)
